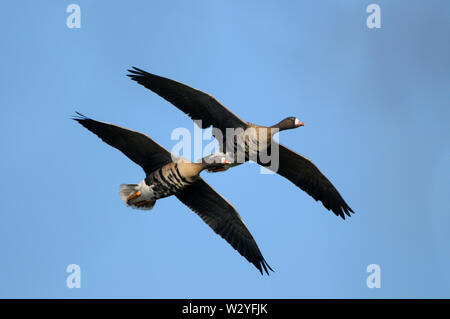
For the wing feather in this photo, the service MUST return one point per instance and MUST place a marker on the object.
(303, 173)
(138, 147)
(195, 103)
(222, 217)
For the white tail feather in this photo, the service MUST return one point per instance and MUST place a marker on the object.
(126, 190)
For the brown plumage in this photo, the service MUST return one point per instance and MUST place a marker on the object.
(165, 177)
(202, 106)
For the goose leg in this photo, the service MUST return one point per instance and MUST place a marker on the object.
(137, 194)
(142, 203)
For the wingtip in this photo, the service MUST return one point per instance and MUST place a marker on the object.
(136, 72)
(265, 265)
(139, 70)
(348, 211)
(79, 117)
(343, 210)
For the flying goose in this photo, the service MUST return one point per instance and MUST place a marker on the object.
(203, 106)
(166, 177)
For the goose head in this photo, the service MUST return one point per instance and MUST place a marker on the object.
(215, 162)
(288, 123)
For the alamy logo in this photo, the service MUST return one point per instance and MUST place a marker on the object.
(374, 19)
(240, 145)
(374, 279)
(74, 279)
(74, 18)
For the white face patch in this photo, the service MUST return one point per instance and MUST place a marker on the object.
(297, 122)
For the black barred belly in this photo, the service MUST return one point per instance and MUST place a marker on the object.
(166, 182)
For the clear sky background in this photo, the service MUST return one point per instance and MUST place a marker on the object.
(376, 107)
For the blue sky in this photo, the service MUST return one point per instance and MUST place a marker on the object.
(376, 107)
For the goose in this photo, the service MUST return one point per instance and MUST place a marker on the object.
(166, 176)
(199, 105)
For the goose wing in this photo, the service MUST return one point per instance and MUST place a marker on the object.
(303, 173)
(223, 218)
(195, 103)
(138, 147)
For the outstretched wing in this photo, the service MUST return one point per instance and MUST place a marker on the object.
(303, 173)
(195, 103)
(221, 216)
(138, 147)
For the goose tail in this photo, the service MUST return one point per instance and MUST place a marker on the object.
(126, 193)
